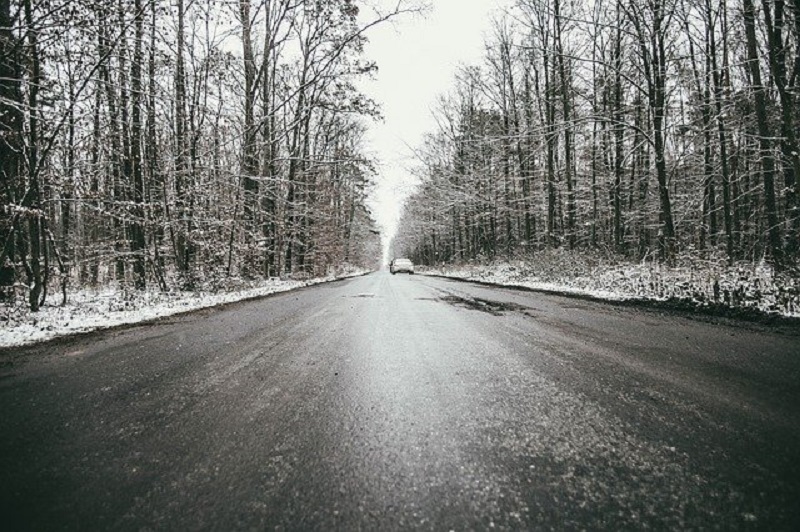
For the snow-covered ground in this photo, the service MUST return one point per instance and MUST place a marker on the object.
(90, 310)
(750, 286)
(700, 283)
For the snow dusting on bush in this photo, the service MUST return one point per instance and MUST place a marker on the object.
(703, 283)
(89, 310)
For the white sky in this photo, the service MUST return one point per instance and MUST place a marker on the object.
(417, 59)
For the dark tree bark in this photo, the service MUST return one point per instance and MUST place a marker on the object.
(137, 233)
(32, 199)
(566, 91)
(652, 28)
(155, 183)
(182, 243)
(718, 94)
(619, 137)
(249, 156)
(11, 144)
(775, 21)
(551, 141)
(765, 150)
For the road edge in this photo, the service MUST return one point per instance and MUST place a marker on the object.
(12, 351)
(682, 307)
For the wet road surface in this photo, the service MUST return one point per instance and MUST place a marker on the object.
(405, 402)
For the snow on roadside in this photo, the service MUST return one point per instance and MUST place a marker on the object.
(90, 310)
(750, 286)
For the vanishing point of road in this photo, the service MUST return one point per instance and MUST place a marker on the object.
(405, 402)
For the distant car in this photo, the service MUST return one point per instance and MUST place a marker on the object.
(401, 265)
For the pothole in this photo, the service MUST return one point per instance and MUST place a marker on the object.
(495, 308)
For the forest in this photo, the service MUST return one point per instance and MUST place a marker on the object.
(181, 144)
(640, 130)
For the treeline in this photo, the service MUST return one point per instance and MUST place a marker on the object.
(173, 143)
(640, 128)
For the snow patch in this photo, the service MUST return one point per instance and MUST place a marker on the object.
(90, 310)
(711, 282)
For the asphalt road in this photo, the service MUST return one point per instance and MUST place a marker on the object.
(399, 402)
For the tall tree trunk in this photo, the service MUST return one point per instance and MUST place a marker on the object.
(11, 146)
(122, 188)
(155, 213)
(789, 145)
(32, 200)
(767, 160)
(294, 252)
(526, 149)
(619, 138)
(269, 67)
(114, 136)
(182, 238)
(717, 78)
(249, 156)
(137, 243)
(510, 132)
(658, 96)
(552, 139)
(651, 35)
(67, 191)
(566, 94)
(708, 225)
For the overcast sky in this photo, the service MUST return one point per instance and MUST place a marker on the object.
(417, 59)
